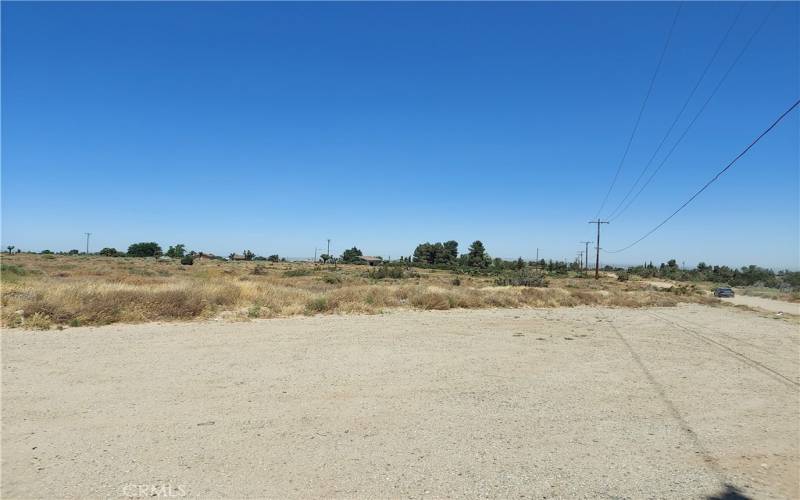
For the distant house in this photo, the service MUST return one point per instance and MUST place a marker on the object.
(237, 256)
(204, 256)
(372, 261)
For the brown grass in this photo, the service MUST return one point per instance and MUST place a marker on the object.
(38, 291)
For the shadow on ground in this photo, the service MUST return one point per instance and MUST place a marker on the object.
(730, 493)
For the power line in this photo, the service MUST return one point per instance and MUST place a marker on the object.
(641, 109)
(697, 115)
(729, 165)
(703, 74)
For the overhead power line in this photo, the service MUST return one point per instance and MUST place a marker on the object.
(717, 176)
(641, 109)
(696, 116)
(703, 74)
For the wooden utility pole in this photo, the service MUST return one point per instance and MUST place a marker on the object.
(597, 248)
(586, 253)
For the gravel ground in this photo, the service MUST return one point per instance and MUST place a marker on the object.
(684, 402)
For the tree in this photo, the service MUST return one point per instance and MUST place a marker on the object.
(144, 249)
(451, 250)
(10, 248)
(74, 251)
(324, 258)
(46, 252)
(187, 260)
(436, 253)
(248, 255)
(351, 255)
(477, 256)
(176, 252)
(274, 258)
(109, 252)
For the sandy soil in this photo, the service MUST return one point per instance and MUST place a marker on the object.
(672, 402)
(770, 305)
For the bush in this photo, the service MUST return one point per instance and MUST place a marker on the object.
(187, 260)
(317, 305)
(274, 258)
(109, 252)
(332, 279)
(393, 272)
(523, 278)
(293, 273)
(456, 281)
(622, 276)
(260, 269)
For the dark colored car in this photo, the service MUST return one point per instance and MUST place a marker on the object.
(723, 292)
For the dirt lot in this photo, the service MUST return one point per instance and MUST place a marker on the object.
(580, 402)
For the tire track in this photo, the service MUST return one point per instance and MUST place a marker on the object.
(734, 338)
(772, 373)
(709, 460)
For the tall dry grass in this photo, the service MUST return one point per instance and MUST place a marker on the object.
(94, 291)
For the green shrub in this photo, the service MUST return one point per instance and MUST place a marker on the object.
(622, 276)
(187, 260)
(293, 273)
(523, 278)
(317, 305)
(332, 279)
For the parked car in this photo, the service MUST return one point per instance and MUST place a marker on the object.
(723, 291)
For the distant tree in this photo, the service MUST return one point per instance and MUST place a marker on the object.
(231, 256)
(46, 252)
(74, 252)
(671, 263)
(477, 256)
(176, 252)
(10, 248)
(351, 255)
(248, 255)
(274, 258)
(520, 264)
(436, 253)
(324, 257)
(187, 260)
(109, 252)
(144, 249)
(451, 250)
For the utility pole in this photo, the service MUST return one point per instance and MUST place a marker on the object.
(586, 245)
(537, 254)
(597, 248)
(87, 242)
(329, 246)
(580, 257)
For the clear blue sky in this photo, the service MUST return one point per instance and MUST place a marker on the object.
(273, 126)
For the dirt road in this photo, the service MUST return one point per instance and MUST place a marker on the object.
(673, 402)
(770, 305)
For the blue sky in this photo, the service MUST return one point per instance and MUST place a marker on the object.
(273, 126)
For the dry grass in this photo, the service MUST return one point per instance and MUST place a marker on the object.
(40, 291)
